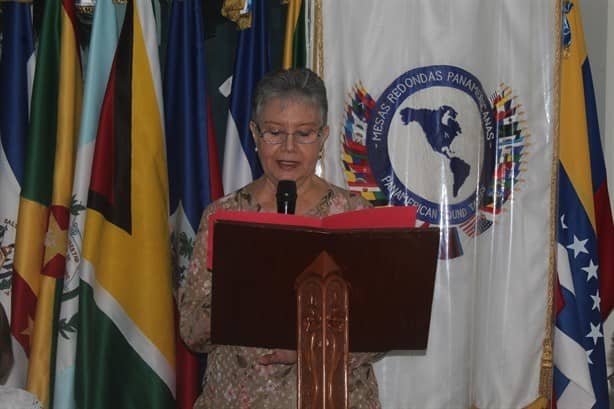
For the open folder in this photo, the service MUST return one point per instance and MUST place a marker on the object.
(389, 266)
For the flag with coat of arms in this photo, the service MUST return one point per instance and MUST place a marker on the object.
(193, 168)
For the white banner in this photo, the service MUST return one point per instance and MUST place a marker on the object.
(449, 106)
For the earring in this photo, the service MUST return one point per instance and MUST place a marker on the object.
(255, 149)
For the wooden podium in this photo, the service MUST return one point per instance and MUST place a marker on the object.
(324, 293)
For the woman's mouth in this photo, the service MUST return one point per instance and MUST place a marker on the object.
(287, 164)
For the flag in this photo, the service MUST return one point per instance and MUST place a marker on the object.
(16, 75)
(126, 339)
(43, 210)
(102, 44)
(585, 234)
(295, 40)
(252, 61)
(193, 169)
(447, 106)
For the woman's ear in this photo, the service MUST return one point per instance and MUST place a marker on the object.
(325, 132)
(255, 134)
(254, 130)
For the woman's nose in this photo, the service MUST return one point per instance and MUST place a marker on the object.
(289, 144)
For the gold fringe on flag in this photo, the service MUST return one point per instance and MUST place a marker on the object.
(231, 9)
(547, 359)
(539, 403)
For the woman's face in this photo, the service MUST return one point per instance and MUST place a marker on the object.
(289, 160)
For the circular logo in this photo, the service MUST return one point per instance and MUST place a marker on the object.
(431, 140)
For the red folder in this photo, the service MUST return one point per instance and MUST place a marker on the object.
(393, 217)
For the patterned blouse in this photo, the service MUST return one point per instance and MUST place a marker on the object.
(234, 379)
(14, 398)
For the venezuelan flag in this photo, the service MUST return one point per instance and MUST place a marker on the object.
(584, 233)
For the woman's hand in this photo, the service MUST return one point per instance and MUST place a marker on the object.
(279, 356)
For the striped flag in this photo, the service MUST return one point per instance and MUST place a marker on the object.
(252, 61)
(68, 108)
(126, 342)
(43, 210)
(103, 41)
(193, 169)
(16, 75)
(585, 234)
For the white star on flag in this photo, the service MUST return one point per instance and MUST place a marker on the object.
(596, 301)
(578, 246)
(591, 269)
(595, 333)
(563, 225)
(588, 356)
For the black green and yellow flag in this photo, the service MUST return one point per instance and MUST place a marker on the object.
(126, 342)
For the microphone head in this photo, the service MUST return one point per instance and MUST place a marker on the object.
(286, 196)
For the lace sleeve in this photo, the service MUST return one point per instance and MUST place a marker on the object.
(18, 399)
(194, 297)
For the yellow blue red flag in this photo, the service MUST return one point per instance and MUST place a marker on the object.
(584, 233)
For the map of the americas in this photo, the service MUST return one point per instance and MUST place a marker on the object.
(440, 129)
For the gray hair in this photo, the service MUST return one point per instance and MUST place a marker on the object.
(292, 83)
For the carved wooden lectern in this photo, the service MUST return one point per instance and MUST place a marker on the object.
(323, 339)
(326, 293)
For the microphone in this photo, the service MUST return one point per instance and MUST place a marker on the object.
(286, 196)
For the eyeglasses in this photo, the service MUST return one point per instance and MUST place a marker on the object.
(277, 136)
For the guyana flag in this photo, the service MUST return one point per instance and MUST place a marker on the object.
(43, 209)
(126, 341)
(295, 45)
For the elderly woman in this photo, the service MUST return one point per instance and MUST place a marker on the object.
(289, 129)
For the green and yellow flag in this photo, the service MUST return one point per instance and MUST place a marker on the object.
(126, 341)
(40, 247)
(295, 48)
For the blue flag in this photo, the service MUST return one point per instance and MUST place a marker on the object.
(252, 61)
(193, 174)
(17, 48)
(16, 73)
(189, 143)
